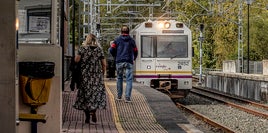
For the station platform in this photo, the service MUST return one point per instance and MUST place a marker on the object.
(149, 112)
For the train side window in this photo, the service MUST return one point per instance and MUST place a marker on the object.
(147, 46)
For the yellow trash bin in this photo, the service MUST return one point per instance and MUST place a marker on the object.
(35, 81)
(34, 91)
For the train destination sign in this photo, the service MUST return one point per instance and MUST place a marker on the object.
(173, 31)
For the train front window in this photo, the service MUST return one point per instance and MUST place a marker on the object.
(172, 46)
(163, 46)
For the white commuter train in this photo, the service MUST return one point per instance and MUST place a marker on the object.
(165, 54)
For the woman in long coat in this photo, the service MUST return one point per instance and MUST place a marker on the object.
(91, 91)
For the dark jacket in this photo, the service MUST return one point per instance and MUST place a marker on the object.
(124, 49)
(75, 68)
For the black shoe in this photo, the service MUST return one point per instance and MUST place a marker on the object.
(87, 113)
(72, 87)
(87, 119)
(119, 98)
(128, 100)
(94, 117)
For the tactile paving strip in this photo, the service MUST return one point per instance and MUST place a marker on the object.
(73, 119)
(134, 117)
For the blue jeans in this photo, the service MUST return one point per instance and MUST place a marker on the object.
(128, 68)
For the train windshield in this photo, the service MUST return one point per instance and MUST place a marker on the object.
(163, 46)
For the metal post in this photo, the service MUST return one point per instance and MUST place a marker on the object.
(240, 38)
(200, 39)
(73, 29)
(200, 62)
(33, 123)
(248, 40)
(248, 3)
(62, 41)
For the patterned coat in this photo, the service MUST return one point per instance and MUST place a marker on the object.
(91, 92)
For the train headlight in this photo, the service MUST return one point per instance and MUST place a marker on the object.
(161, 25)
(167, 25)
(164, 25)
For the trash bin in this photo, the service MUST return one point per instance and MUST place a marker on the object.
(35, 81)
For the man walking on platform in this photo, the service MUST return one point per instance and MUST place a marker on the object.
(125, 51)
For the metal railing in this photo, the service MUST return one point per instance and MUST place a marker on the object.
(196, 71)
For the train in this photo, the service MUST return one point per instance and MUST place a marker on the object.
(165, 55)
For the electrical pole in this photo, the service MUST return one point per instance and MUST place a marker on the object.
(248, 42)
(240, 38)
(248, 3)
(200, 53)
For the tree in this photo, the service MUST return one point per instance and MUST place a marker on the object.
(221, 26)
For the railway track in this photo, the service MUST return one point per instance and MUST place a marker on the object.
(256, 111)
(242, 104)
(206, 119)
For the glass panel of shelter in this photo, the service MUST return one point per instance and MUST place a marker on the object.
(34, 21)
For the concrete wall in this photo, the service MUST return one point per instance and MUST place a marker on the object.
(265, 67)
(229, 66)
(249, 86)
(8, 66)
(45, 52)
(255, 67)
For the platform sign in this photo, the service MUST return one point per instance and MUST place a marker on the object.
(39, 24)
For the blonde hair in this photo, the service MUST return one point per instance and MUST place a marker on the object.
(91, 40)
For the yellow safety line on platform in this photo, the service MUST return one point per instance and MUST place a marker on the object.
(114, 111)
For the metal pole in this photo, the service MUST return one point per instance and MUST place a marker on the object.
(200, 66)
(73, 29)
(248, 42)
(240, 38)
(200, 39)
(79, 25)
(62, 41)
(33, 123)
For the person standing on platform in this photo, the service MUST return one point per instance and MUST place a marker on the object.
(91, 91)
(125, 51)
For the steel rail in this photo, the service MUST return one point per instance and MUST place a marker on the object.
(235, 98)
(256, 113)
(206, 119)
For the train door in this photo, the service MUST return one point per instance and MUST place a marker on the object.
(147, 60)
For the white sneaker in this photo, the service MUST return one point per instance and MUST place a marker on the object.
(128, 100)
(119, 98)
